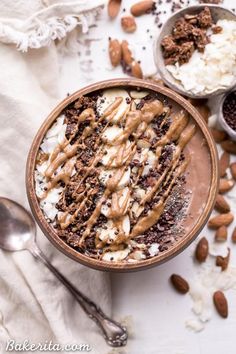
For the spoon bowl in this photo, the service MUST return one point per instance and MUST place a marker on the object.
(18, 229)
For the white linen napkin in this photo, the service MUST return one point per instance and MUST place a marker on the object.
(33, 304)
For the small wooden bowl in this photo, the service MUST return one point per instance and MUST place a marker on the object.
(218, 13)
(196, 224)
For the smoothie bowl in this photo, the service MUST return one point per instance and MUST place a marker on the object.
(122, 175)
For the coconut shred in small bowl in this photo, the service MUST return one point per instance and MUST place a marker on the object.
(213, 69)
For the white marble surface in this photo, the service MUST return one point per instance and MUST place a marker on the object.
(156, 313)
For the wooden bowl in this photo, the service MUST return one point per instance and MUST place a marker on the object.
(206, 201)
(218, 13)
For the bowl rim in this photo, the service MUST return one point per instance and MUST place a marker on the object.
(158, 55)
(221, 118)
(121, 266)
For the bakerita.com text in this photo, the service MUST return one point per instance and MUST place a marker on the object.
(47, 346)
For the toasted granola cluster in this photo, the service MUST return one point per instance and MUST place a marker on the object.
(189, 33)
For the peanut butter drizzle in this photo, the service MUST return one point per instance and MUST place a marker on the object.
(111, 186)
(136, 123)
(112, 108)
(185, 137)
(118, 208)
(87, 114)
(180, 120)
(150, 110)
(64, 175)
(67, 152)
(148, 221)
(63, 223)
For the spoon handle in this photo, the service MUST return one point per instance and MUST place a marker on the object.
(114, 334)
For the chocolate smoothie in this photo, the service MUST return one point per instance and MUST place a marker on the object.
(116, 174)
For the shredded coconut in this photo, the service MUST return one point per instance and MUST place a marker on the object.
(213, 69)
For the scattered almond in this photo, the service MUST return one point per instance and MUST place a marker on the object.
(223, 262)
(225, 185)
(141, 7)
(126, 53)
(220, 220)
(136, 70)
(218, 135)
(115, 52)
(202, 250)
(221, 234)
(128, 24)
(233, 170)
(233, 237)
(113, 8)
(205, 112)
(224, 163)
(229, 146)
(135, 67)
(221, 204)
(221, 303)
(179, 283)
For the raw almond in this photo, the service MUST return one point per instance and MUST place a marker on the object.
(224, 163)
(225, 185)
(229, 146)
(202, 250)
(233, 237)
(128, 24)
(141, 7)
(220, 220)
(221, 234)
(113, 8)
(221, 204)
(204, 111)
(233, 170)
(218, 135)
(179, 283)
(126, 53)
(221, 303)
(223, 262)
(115, 52)
(136, 70)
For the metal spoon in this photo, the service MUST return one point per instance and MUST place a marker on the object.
(17, 232)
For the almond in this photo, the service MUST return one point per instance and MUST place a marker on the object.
(233, 170)
(204, 111)
(128, 24)
(126, 53)
(224, 163)
(220, 220)
(229, 146)
(221, 204)
(233, 237)
(223, 262)
(225, 185)
(113, 8)
(114, 52)
(179, 283)
(221, 303)
(218, 135)
(141, 7)
(202, 250)
(221, 234)
(136, 70)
